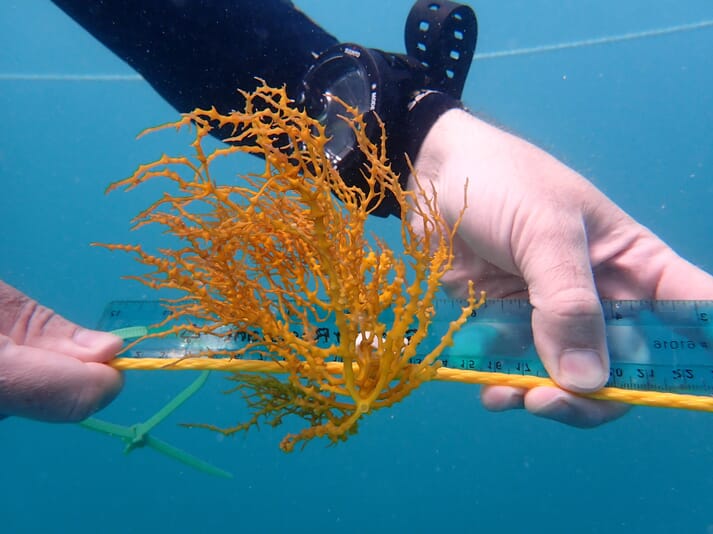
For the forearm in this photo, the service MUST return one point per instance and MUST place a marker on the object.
(198, 53)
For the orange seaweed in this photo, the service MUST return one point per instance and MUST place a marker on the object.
(278, 255)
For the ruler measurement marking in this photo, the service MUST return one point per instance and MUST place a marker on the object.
(672, 340)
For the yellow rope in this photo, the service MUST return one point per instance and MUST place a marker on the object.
(641, 398)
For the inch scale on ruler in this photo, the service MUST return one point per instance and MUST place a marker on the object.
(654, 345)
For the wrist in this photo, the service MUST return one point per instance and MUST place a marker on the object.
(404, 93)
(443, 142)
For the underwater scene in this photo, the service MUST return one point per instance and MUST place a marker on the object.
(366, 427)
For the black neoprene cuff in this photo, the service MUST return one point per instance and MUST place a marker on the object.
(424, 109)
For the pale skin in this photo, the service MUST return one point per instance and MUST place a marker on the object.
(536, 229)
(533, 229)
(52, 369)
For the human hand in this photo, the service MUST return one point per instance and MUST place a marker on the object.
(536, 229)
(50, 368)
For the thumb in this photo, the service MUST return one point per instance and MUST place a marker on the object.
(28, 323)
(567, 319)
(51, 386)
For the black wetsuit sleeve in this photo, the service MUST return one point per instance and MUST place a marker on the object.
(197, 53)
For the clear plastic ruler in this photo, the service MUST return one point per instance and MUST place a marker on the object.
(653, 345)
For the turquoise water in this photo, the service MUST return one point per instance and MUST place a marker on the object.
(634, 116)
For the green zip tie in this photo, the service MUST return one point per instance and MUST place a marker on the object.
(130, 332)
(137, 435)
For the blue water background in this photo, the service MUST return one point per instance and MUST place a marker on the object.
(635, 117)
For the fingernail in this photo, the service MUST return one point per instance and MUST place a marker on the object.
(94, 339)
(581, 369)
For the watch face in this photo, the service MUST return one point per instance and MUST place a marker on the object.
(352, 88)
(340, 79)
